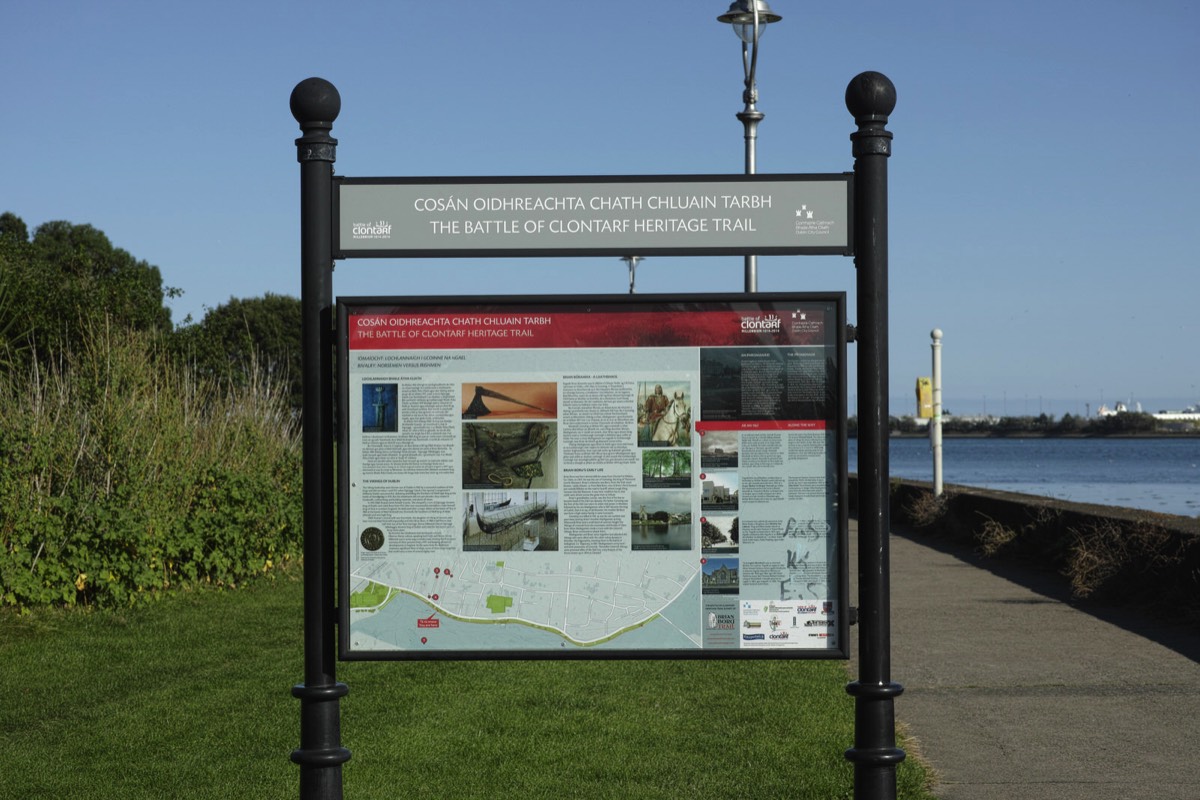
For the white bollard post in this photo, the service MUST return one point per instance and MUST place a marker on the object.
(935, 424)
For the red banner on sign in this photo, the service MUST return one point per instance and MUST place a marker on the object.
(506, 329)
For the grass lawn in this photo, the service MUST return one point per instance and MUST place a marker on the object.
(191, 698)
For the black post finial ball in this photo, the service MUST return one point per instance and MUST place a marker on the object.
(315, 101)
(871, 96)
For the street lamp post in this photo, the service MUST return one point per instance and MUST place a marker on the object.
(748, 18)
(632, 262)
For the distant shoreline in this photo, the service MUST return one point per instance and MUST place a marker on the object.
(1041, 435)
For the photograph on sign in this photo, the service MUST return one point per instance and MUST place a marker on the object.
(677, 215)
(613, 477)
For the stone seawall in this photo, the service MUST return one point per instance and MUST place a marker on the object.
(1108, 555)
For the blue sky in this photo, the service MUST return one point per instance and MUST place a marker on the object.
(1041, 183)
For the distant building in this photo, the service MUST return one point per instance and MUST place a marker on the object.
(1189, 414)
(1121, 408)
(715, 494)
(721, 577)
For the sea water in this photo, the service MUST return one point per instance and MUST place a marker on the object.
(1155, 474)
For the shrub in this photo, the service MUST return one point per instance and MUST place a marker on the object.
(993, 537)
(925, 509)
(122, 476)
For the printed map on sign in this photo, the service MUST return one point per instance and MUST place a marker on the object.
(584, 601)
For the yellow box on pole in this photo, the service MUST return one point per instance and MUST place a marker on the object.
(925, 398)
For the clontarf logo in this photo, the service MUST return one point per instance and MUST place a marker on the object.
(768, 324)
(371, 230)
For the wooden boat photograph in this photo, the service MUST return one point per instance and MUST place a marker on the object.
(511, 520)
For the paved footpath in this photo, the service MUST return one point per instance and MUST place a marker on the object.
(1011, 692)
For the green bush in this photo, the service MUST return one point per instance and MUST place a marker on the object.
(122, 476)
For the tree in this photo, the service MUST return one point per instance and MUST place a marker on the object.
(1126, 422)
(1070, 424)
(903, 425)
(666, 463)
(14, 228)
(66, 278)
(245, 339)
(100, 277)
(14, 239)
(710, 535)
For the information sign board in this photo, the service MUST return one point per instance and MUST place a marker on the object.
(613, 477)
(616, 216)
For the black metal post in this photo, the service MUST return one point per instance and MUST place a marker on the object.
(870, 97)
(315, 104)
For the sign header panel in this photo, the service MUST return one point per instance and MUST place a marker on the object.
(602, 216)
(606, 477)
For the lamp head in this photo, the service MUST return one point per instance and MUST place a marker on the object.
(741, 16)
